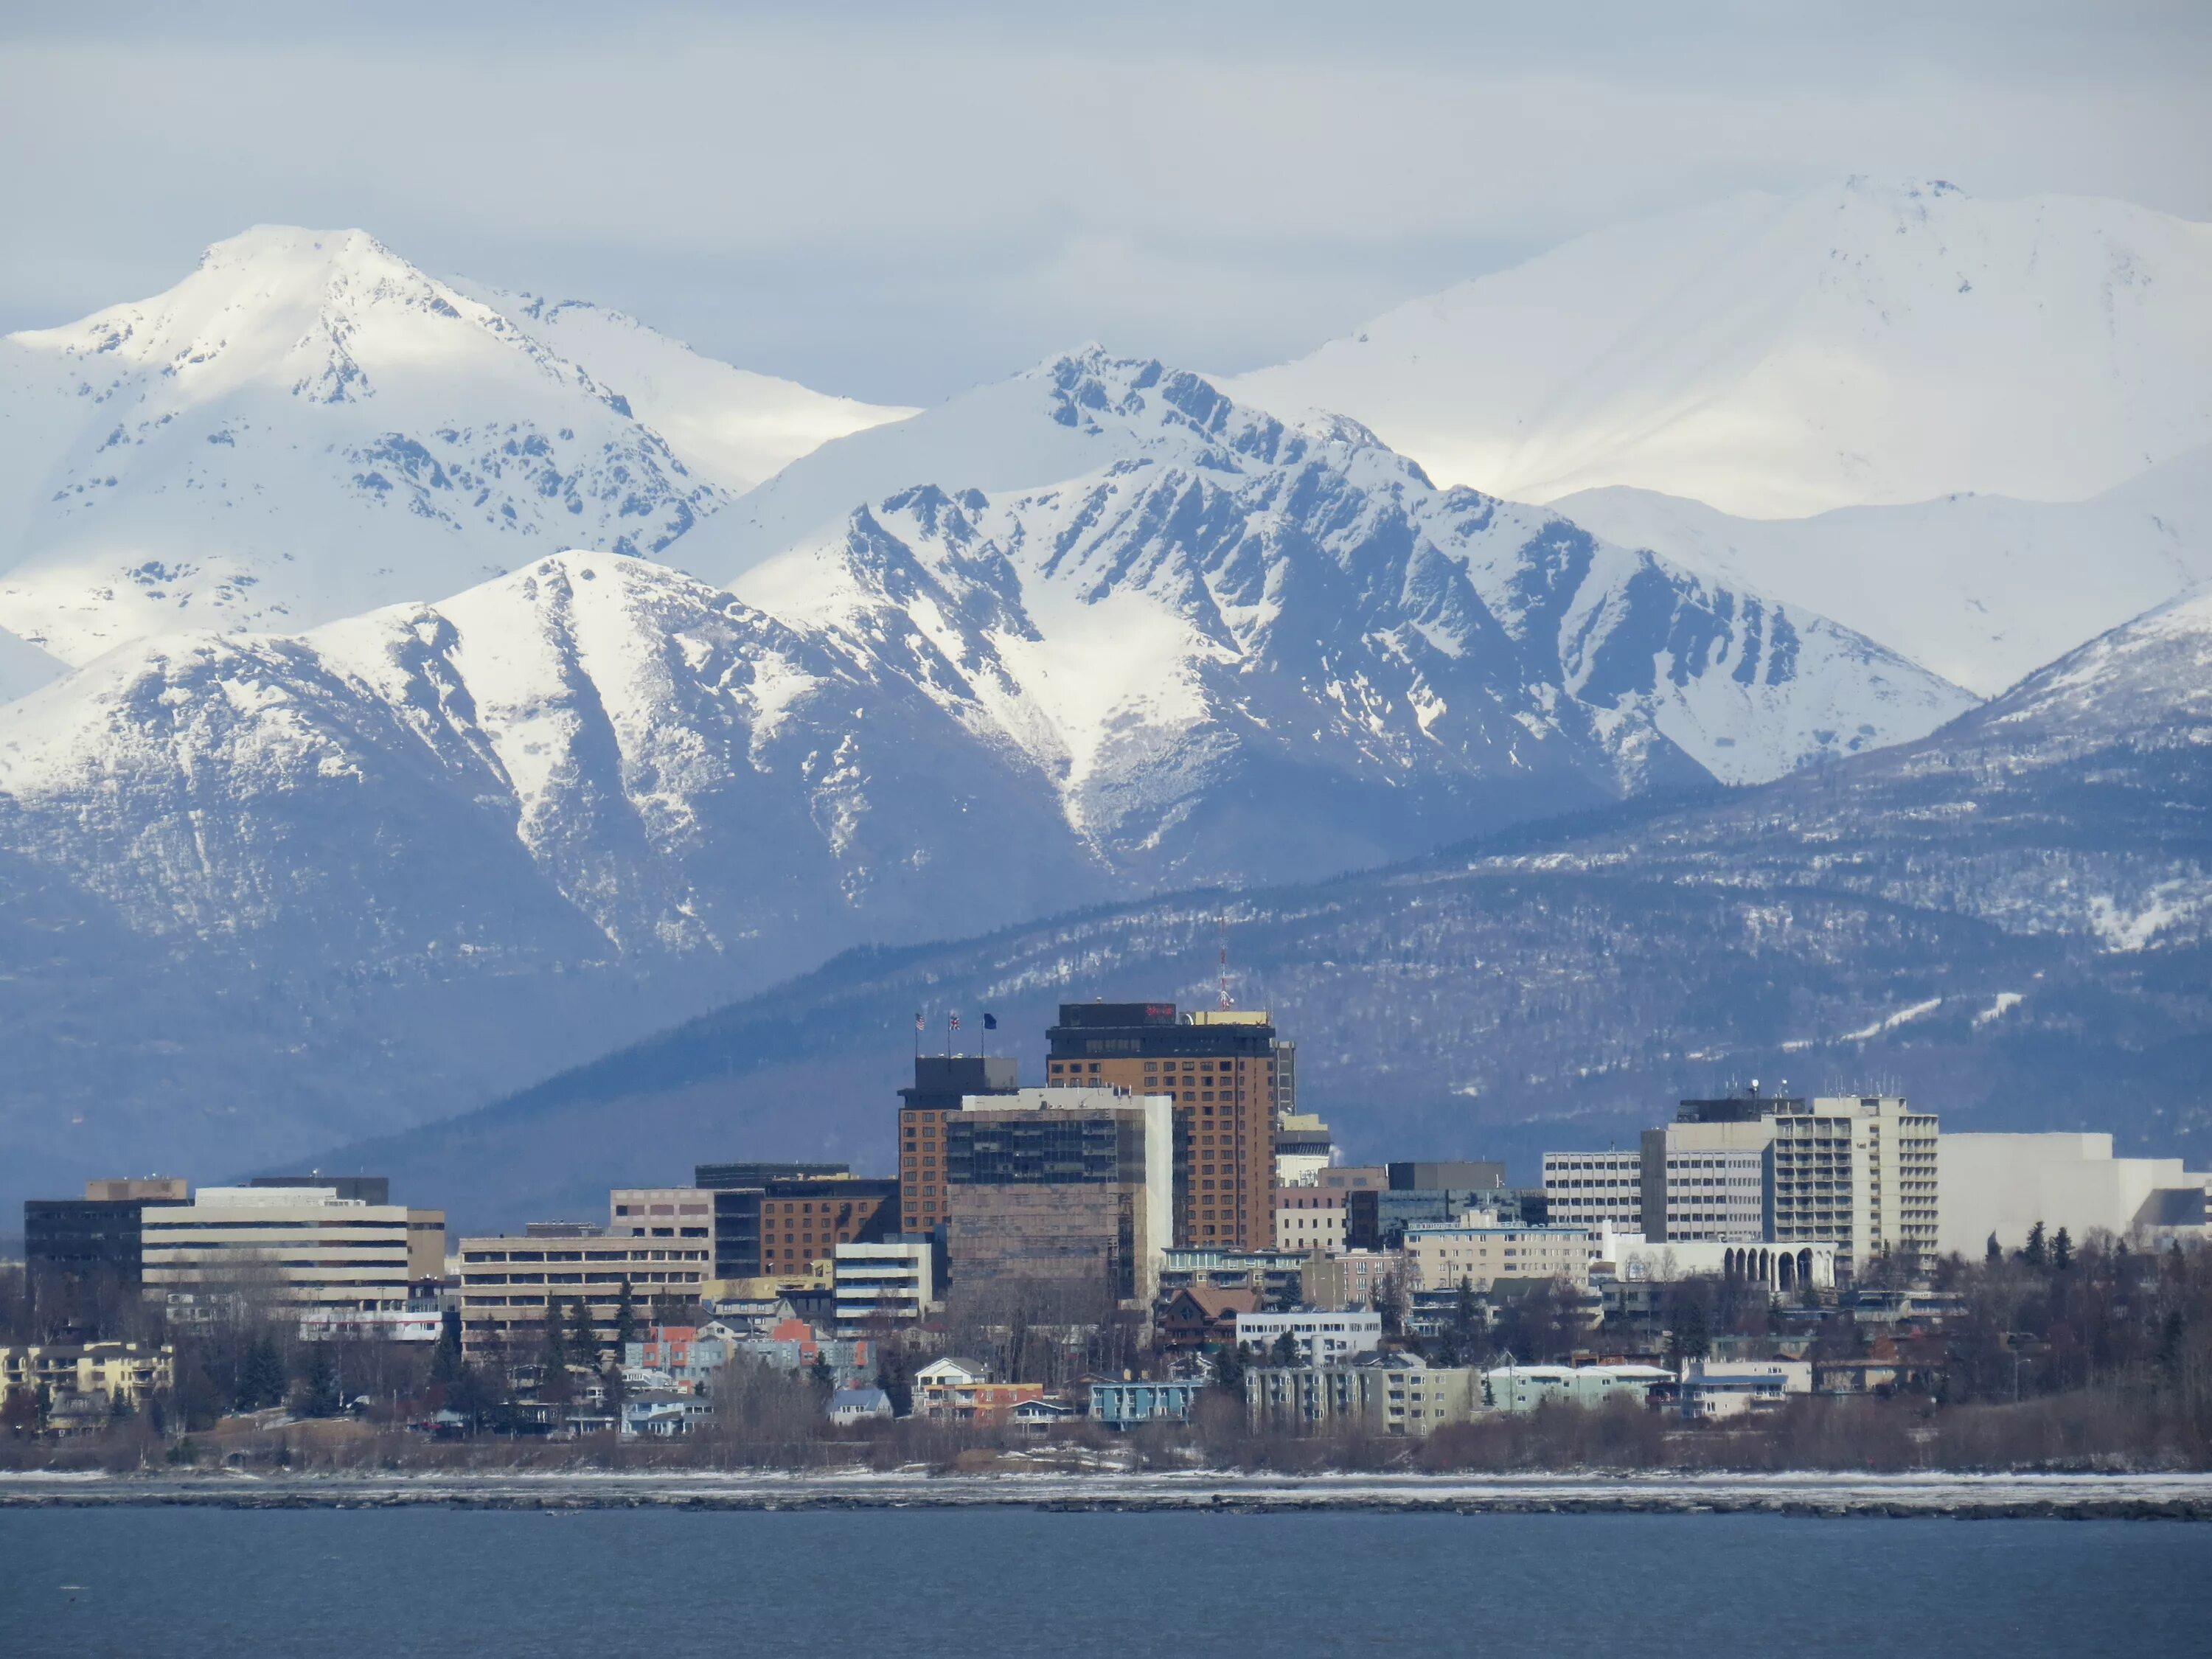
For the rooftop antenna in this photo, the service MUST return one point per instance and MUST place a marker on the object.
(1227, 1001)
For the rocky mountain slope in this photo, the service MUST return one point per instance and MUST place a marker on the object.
(307, 427)
(1109, 560)
(1779, 357)
(1980, 589)
(2005, 920)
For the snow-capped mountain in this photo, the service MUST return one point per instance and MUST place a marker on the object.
(730, 426)
(1154, 591)
(307, 427)
(1783, 356)
(1981, 589)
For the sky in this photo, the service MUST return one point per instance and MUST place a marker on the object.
(898, 202)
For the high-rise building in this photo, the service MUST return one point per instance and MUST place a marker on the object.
(1859, 1171)
(1588, 1190)
(1072, 1184)
(1220, 1068)
(941, 1082)
(1855, 1170)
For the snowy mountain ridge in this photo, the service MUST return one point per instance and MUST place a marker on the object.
(1776, 357)
(1212, 575)
(1981, 589)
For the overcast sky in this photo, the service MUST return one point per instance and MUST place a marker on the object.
(899, 202)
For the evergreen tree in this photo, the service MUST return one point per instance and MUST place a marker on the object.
(261, 1381)
(2034, 1255)
(1993, 1252)
(1390, 1302)
(583, 1335)
(895, 1378)
(1228, 1369)
(820, 1374)
(625, 1324)
(323, 1392)
(1466, 1323)
(2169, 1345)
(1691, 1338)
(446, 1364)
(554, 1352)
(2062, 1252)
(1285, 1352)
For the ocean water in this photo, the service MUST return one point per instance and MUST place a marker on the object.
(979, 1584)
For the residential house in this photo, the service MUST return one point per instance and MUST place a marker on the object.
(1201, 1317)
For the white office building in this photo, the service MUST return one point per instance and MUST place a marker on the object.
(1323, 1338)
(891, 1280)
(1592, 1189)
(2003, 1185)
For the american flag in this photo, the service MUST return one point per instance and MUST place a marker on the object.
(920, 1024)
(952, 1021)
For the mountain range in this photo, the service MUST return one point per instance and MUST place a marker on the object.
(410, 690)
(546, 813)
(2009, 920)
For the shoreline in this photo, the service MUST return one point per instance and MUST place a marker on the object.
(1995, 1497)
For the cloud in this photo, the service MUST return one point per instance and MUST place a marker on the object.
(898, 202)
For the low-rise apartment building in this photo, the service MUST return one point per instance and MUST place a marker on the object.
(1126, 1404)
(126, 1370)
(1524, 1387)
(1443, 1258)
(1379, 1394)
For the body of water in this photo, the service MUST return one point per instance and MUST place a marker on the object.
(982, 1583)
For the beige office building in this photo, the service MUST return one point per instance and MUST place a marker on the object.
(299, 1247)
(1309, 1218)
(507, 1281)
(1440, 1258)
